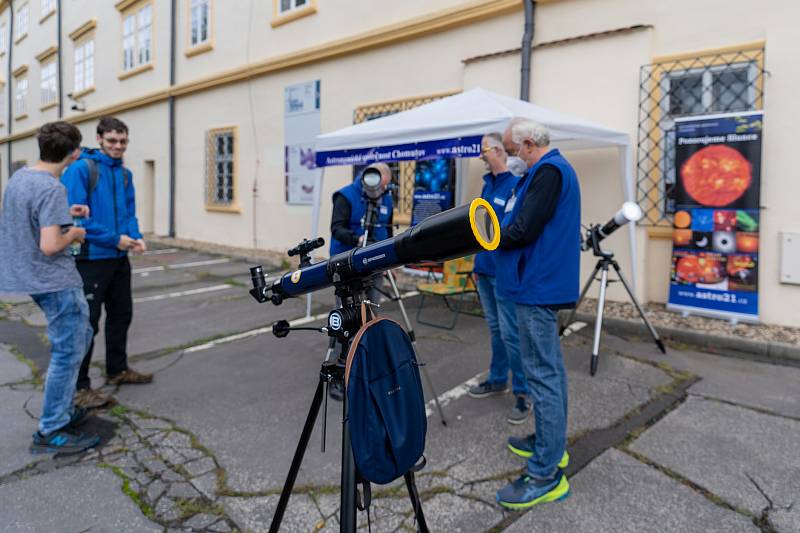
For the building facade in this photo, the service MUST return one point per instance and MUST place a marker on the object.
(201, 84)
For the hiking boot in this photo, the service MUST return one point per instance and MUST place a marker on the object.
(519, 413)
(63, 441)
(92, 399)
(486, 389)
(523, 446)
(78, 417)
(130, 377)
(527, 491)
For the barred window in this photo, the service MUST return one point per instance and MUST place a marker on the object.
(716, 83)
(221, 168)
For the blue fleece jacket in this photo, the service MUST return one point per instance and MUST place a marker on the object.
(112, 204)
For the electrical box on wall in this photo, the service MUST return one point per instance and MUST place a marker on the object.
(790, 258)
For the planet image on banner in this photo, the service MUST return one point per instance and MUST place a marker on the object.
(742, 272)
(746, 242)
(699, 269)
(716, 175)
(682, 238)
(682, 219)
(724, 242)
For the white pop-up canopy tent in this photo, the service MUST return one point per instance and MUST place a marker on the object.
(452, 127)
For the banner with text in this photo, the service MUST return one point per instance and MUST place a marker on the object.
(301, 125)
(715, 229)
(444, 148)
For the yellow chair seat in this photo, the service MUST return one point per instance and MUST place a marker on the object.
(441, 289)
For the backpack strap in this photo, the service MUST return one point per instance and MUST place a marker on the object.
(93, 176)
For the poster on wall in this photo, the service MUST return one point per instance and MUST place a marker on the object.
(301, 125)
(434, 183)
(716, 225)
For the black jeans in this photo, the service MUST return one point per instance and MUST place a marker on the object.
(107, 282)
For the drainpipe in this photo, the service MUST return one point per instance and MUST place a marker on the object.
(527, 41)
(10, 106)
(58, 61)
(171, 108)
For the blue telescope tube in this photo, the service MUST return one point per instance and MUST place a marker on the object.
(453, 233)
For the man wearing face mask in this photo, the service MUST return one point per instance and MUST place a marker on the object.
(539, 257)
(500, 313)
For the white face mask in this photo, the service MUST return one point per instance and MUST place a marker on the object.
(517, 166)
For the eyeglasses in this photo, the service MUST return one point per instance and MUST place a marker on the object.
(121, 142)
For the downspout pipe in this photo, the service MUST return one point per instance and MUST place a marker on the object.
(527, 46)
(171, 111)
(10, 106)
(59, 37)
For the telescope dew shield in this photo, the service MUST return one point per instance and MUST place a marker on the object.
(453, 233)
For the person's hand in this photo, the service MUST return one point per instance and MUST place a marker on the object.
(125, 243)
(76, 234)
(360, 241)
(78, 210)
(139, 246)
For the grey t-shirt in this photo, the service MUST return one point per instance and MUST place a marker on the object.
(33, 200)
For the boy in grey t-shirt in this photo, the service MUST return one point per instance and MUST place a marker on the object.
(35, 230)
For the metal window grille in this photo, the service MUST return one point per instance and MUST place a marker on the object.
(402, 172)
(716, 83)
(221, 167)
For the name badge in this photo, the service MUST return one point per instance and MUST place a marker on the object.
(384, 210)
(499, 201)
(510, 204)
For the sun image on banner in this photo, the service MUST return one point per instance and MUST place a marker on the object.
(716, 225)
(301, 125)
(434, 182)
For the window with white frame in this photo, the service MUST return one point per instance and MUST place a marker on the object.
(49, 89)
(284, 6)
(22, 21)
(201, 23)
(21, 95)
(137, 37)
(3, 37)
(221, 167)
(84, 65)
(48, 6)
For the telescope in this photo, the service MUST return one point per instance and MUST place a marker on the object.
(630, 212)
(453, 233)
(371, 183)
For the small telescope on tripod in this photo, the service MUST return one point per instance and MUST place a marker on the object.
(454, 233)
(630, 212)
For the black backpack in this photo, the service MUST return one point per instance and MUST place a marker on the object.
(94, 175)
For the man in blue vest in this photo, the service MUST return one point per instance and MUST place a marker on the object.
(538, 268)
(100, 180)
(501, 314)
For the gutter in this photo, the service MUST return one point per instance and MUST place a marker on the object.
(59, 37)
(171, 110)
(527, 49)
(9, 77)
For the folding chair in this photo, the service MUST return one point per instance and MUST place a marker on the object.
(457, 281)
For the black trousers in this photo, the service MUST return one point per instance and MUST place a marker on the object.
(107, 283)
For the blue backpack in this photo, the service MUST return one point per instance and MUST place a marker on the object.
(386, 403)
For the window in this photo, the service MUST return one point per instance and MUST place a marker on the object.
(285, 6)
(221, 169)
(200, 22)
(49, 83)
(3, 38)
(21, 96)
(84, 66)
(21, 24)
(48, 7)
(288, 10)
(686, 85)
(137, 37)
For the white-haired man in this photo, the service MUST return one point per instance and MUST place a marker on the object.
(501, 315)
(538, 268)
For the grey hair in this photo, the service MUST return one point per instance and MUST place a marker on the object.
(495, 140)
(525, 128)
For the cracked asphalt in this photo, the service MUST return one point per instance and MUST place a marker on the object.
(689, 441)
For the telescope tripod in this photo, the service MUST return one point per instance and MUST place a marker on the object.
(607, 260)
(348, 321)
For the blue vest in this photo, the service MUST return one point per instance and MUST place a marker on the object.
(547, 271)
(358, 208)
(496, 191)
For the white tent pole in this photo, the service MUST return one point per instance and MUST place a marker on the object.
(626, 164)
(317, 203)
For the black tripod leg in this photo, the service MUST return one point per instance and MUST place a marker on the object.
(598, 325)
(653, 332)
(571, 316)
(347, 503)
(416, 503)
(308, 427)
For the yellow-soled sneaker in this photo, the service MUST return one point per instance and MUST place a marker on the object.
(523, 446)
(526, 491)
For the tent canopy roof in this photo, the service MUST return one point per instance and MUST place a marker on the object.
(471, 113)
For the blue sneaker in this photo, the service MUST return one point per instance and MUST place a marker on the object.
(486, 389)
(523, 446)
(63, 441)
(527, 491)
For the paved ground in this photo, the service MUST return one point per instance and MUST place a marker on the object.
(684, 442)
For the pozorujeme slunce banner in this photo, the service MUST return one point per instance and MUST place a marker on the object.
(715, 236)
